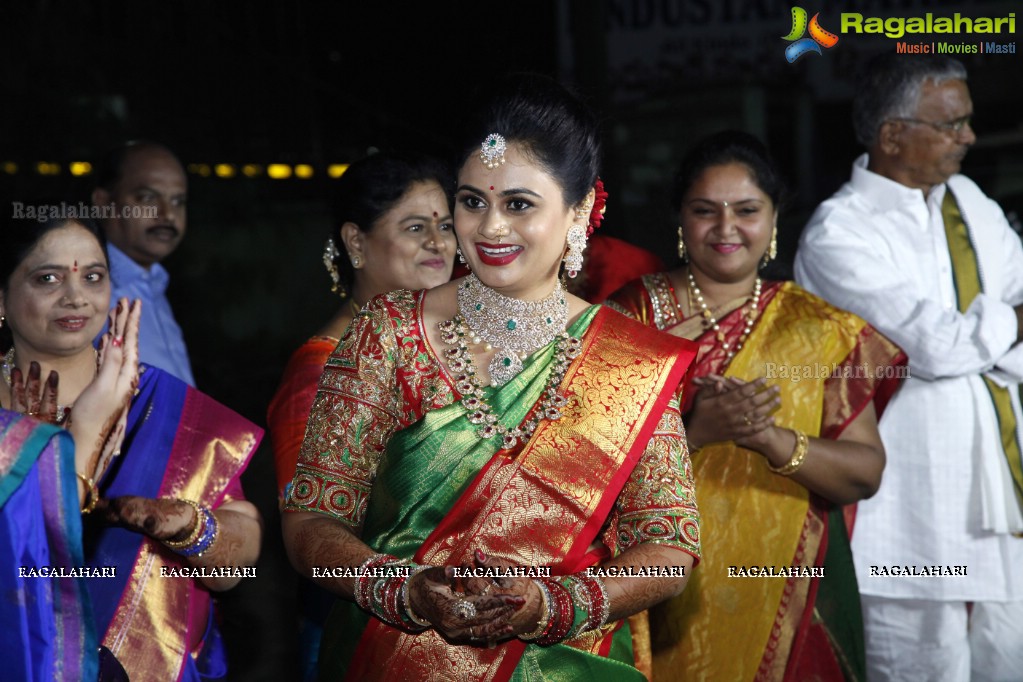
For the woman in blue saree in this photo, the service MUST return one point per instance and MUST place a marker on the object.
(165, 518)
(47, 634)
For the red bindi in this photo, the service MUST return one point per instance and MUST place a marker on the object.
(435, 214)
(491, 188)
(74, 268)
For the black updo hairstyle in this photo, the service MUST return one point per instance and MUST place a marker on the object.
(729, 146)
(21, 234)
(372, 186)
(554, 127)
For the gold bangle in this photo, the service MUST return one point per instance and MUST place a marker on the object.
(546, 613)
(798, 456)
(196, 531)
(91, 493)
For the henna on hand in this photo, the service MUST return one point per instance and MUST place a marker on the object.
(524, 619)
(631, 595)
(433, 597)
(103, 404)
(160, 519)
(33, 397)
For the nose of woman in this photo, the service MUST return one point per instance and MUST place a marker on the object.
(74, 295)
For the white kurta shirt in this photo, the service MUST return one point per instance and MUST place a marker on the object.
(878, 249)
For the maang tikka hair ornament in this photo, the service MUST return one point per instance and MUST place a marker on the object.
(330, 254)
(492, 151)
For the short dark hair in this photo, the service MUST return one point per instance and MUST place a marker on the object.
(110, 167)
(553, 126)
(729, 146)
(889, 87)
(372, 186)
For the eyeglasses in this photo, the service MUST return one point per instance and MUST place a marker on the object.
(949, 127)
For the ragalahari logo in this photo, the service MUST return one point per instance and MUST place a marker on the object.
(818, 36)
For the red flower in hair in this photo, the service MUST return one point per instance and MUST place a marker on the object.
(599, 206)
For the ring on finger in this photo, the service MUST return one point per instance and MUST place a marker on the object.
(117, 341)
(747, 419)
(486, 590)
(464, 609)
(472, 635)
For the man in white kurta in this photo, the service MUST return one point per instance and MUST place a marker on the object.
(948, 511)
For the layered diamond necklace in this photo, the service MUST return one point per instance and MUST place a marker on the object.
(515, 329)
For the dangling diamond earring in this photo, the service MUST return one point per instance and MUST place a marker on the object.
(461, 258)
(330, 254)
(576, 245)
(682, 253)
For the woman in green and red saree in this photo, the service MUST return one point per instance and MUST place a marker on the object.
(783, 428)
(168, 497)
(498, 422)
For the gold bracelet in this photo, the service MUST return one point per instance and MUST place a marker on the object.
(196, 531)
(546, 613)
(798, 456)
(91, 493)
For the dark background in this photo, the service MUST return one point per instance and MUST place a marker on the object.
(325, 82)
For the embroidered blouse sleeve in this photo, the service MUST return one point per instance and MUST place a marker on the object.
(355, 413)
(658, 503)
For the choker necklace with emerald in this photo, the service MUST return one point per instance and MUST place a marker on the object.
(515, 328)
(518, 328)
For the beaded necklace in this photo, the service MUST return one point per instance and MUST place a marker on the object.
(711, 322)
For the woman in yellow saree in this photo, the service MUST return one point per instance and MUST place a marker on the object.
(783, 429)
(475, 448)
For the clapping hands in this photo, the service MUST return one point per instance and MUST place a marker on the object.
(731, 409)
(100, 413)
